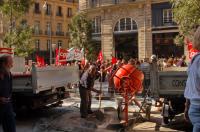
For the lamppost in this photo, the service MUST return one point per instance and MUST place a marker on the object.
(50, 34)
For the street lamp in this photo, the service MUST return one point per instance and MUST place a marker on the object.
(50, 34)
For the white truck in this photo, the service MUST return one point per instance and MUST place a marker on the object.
(169, 84)
(43, 85)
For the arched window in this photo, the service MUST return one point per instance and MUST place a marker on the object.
(125, 24)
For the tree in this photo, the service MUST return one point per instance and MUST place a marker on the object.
(80, 31)
(20, 40)
(187, 16)
(19, 35)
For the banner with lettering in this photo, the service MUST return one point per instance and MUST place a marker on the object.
(75, 54)
(61, 55)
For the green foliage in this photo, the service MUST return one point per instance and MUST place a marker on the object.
(186, 15)
(179, 40)
(20, 37)
(20, 40)
(18, 7)
(80, 31)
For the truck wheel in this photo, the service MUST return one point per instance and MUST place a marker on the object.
(165, 120)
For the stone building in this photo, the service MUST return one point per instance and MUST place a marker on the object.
(51, 23)
(133, 28)
(50, 20)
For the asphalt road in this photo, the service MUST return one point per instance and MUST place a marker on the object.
(67, 119)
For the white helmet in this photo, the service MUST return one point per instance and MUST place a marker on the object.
(153, 57)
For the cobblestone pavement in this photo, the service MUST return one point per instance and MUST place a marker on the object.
(67, 118)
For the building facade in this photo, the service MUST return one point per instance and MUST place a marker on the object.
(50, 20)
(133, 28)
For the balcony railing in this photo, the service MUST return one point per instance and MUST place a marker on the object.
(59, 33)
(99, 3)
(59, 14)
(37, 32)
(72, 1)
(49, 33)
(37, 11)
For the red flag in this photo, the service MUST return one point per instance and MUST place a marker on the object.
(192, 51)
(100, 56)
(40, 61)
(61, 56)
(114, 60)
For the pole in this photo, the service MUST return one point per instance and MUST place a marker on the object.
(50, 38)
(145, 29)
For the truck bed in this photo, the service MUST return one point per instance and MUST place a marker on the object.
(45, 78)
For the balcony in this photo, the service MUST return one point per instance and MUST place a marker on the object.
(49, 33)
(72, 1)
(58, 33)
(37, 32)
(99, 3)
(37, 11)
(59, 14)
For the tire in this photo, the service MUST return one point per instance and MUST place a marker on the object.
(165, 120)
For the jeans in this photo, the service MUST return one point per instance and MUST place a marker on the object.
(7, 117)
(194, 115)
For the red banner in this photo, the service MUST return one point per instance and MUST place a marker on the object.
(6, 51)
(61, 56)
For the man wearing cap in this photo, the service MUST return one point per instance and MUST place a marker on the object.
(85, 88)
(6, 110)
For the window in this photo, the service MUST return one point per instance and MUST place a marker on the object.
(59, 27)
(48, 10)
(125, 24)
(167, 16)
(94, 3)
(116, 1)
(37, 28)
(59, 43)
(37, 8)
(37, 44)
(69, 12)
(48, 28)
(96, 24)
(48, 44)
(59, 11)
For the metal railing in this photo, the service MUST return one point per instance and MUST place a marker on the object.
(99, 3)
(59, 33)
(37, 32)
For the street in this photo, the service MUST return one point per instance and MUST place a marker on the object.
(67, 119)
